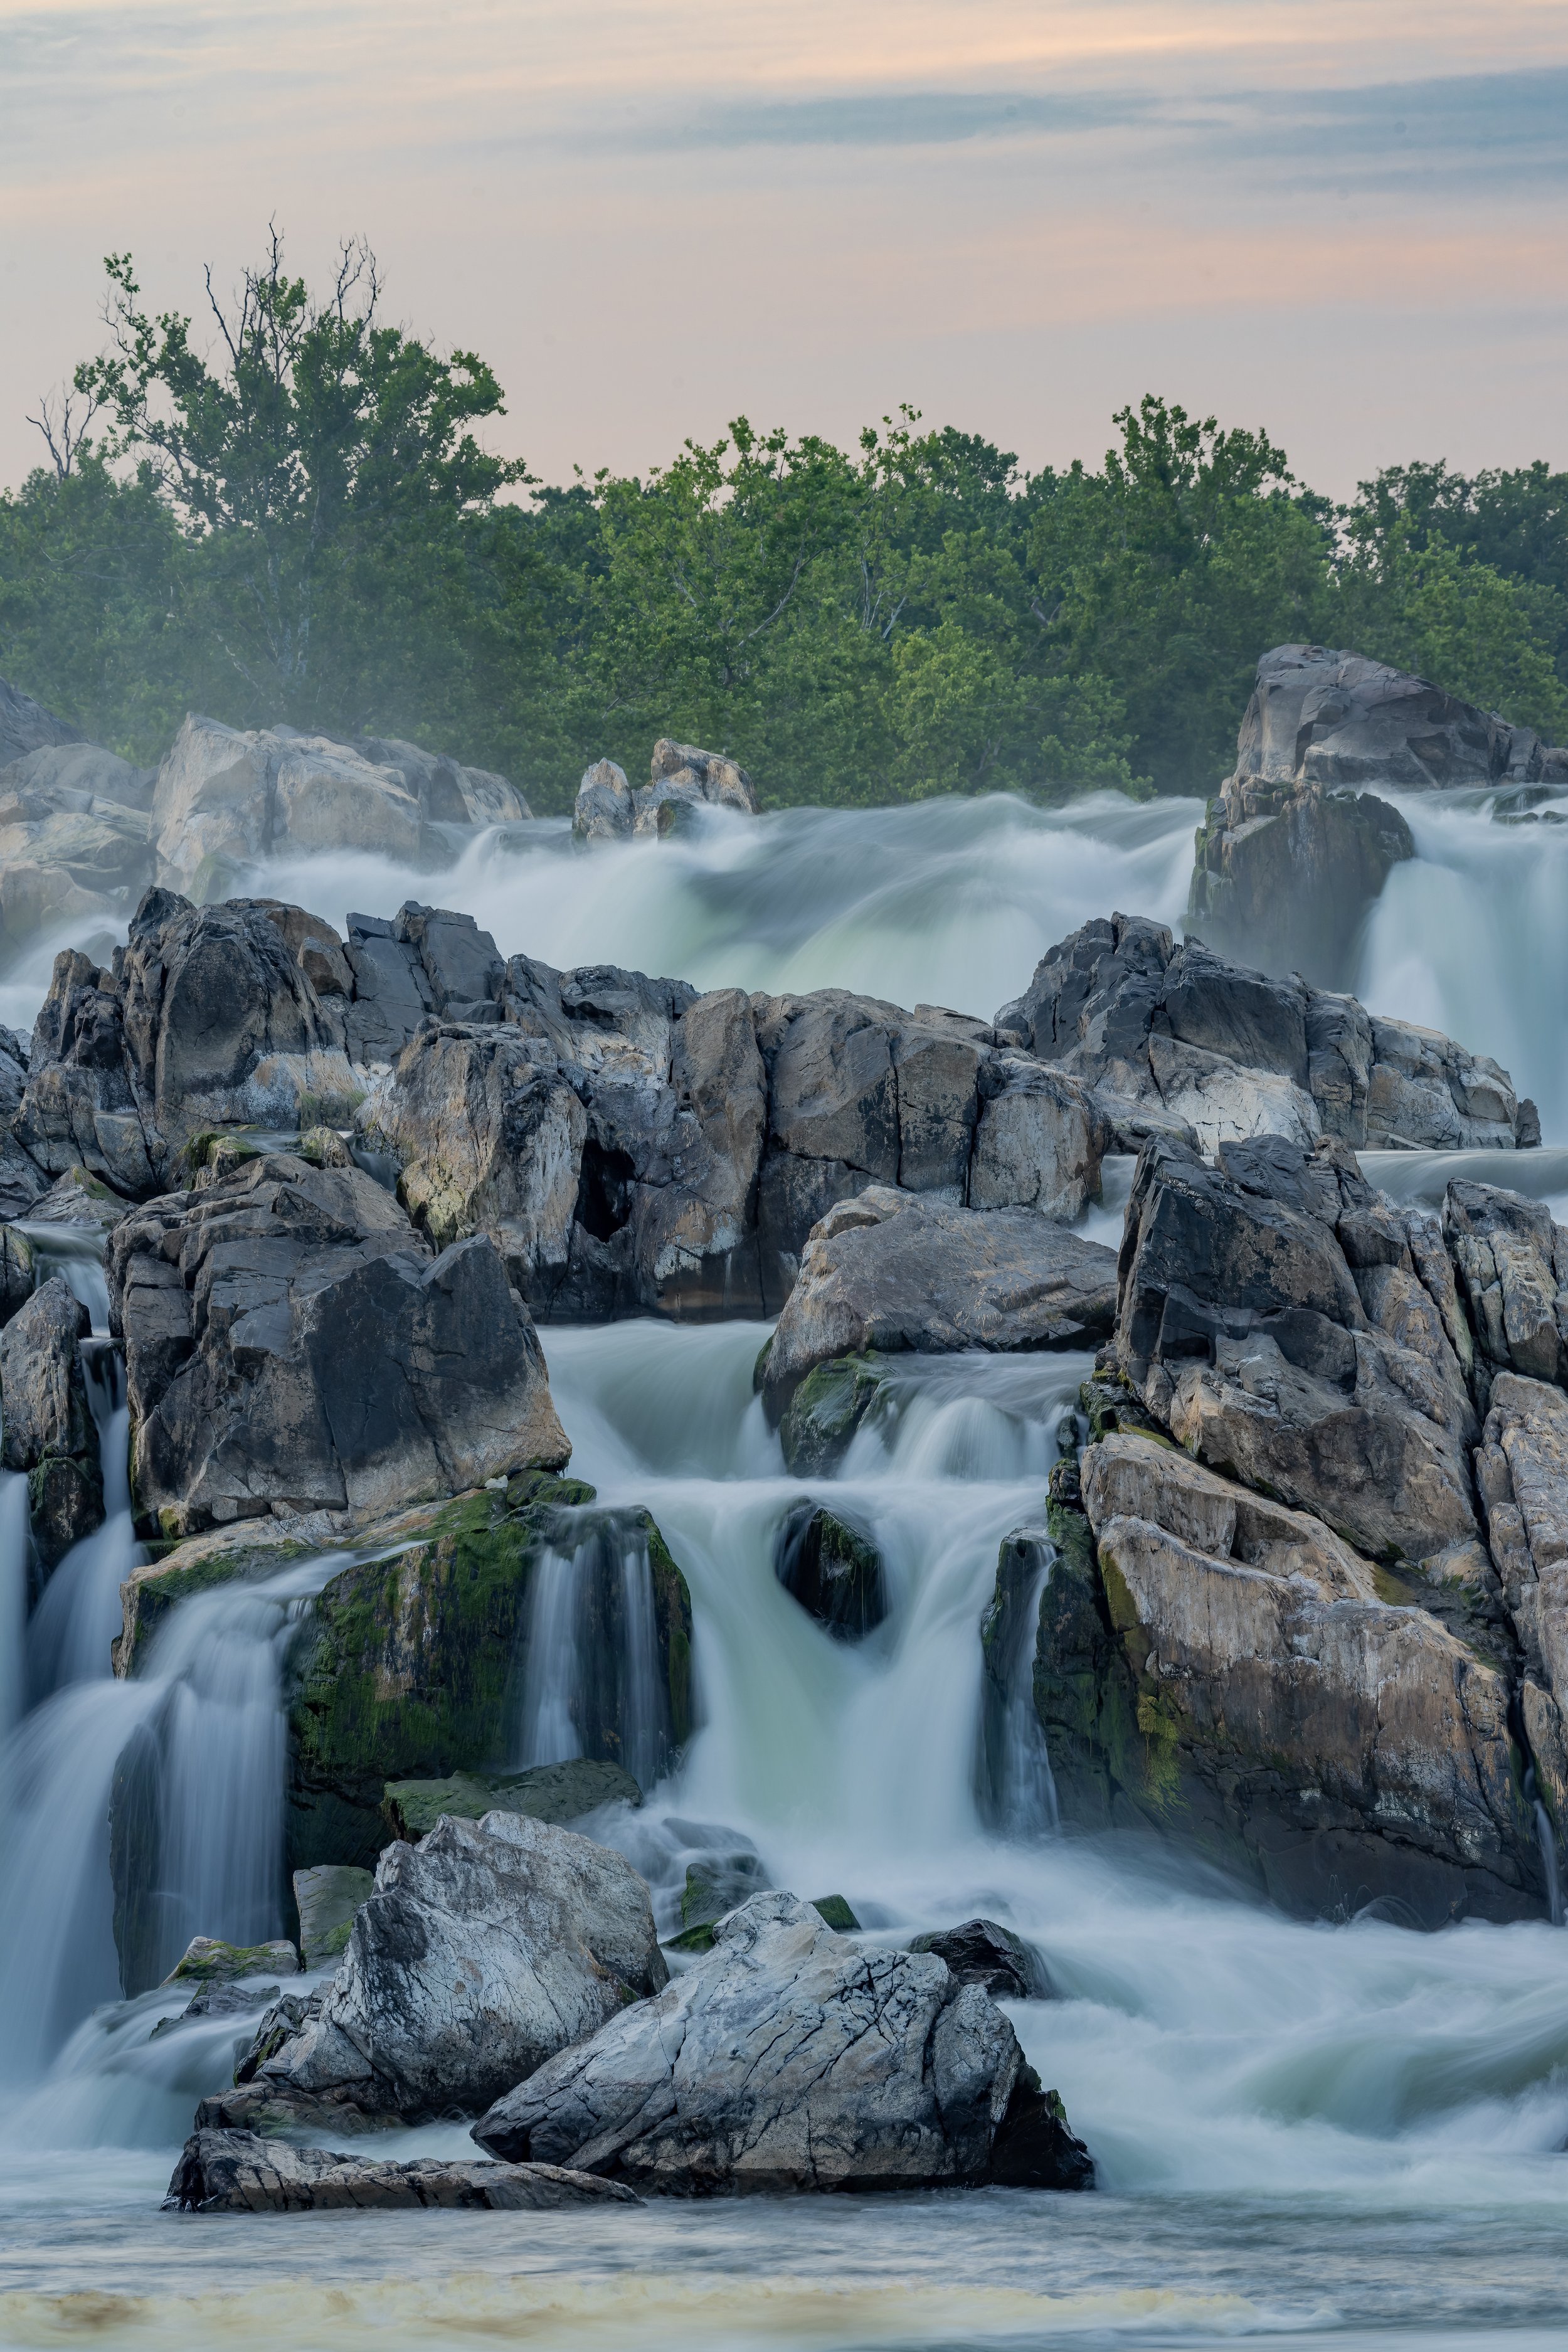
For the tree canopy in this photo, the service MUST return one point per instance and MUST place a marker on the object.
(292, 516)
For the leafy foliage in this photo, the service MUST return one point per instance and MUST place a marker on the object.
(304, 525)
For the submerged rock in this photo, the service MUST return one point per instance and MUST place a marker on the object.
(1228, 1674)
(291, 1344)
(825, 1411)
(239, 2172)
(786, 2059)
(833, 1572)
(483, 1949)
(50, 1430)
(890, 1270)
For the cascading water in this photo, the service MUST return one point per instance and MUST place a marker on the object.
(590, 1681)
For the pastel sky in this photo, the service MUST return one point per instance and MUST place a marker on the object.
(1343, 219)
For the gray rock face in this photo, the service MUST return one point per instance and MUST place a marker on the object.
(1521, 1471)
(1285, 879)
(27, 726)
(605, 1136)
(1256, 1696)
(327, 1898)
(1272, 1314)
(1512, 1265)
(240, 2172)
(48, 1426)
(890, 1270)
(484, 1950)
(291, 1344)
(605, 810)
(1234, 1053)
(788, 2058)
(448, 792)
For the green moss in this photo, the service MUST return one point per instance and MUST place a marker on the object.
(835, 1911)
(827, 1410)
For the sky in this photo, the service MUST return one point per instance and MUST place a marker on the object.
(1343, 220)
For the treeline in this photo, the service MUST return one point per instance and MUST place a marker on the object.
(301, 524)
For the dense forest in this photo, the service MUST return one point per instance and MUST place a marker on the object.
(287, 514)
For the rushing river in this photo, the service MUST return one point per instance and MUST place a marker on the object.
(1340, 2135)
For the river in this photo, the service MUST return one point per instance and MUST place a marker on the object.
(1342, 2135)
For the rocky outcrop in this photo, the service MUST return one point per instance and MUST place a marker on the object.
(1293, 853)
(483, 1950)
(833, 1571)
(790, 2059)
(1274, 1314)
(1234, 1053)
(682, 779)
(292, 1344)
(410, 1667)
(890, 1270)
(825, 1411)
(980, 1953)
(240, 2172)
(1228, 1673)
(50, 1430)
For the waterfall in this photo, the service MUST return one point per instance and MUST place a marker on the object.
(77, 1614)
(15, 1564)
(591, 1679)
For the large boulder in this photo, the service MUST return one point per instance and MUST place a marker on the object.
(1285, 879)
(1249, 1690)
(241, 2172)
(48, 1426)
(485, 1949)
(1287, 1324)
(292, 1344)
(789, 2058)
(448, 792)
(1232, 1053)
(889, 1271)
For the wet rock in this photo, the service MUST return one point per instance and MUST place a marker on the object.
(408, 1667)
(218, 2001)
(716, 1885)
(239, 2172)
(208, 1961)
(1035, 2146)
(1285, 878)
(291, 1344)
(836, 1912)
(982, 1953)
(483, 1950)
(889, 1271)
(1233, 1052)
(327, 1898)
(1507, 1253)
(832, 1571)
(48, 1426)
(1272, 1316)
(545, 1792)
(16, 1272)
(786, 2059)
(825, 1411)
(1250, 1691)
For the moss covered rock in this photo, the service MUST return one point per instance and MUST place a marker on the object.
(825, 1411)
(546, 1793)
(833, 1571)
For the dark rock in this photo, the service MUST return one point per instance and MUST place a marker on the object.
(48, 1426)
(1319, 716)
(837, 1914)
(239, 2172)
(889, 1271)
(825, 1411)
(982, 1953)
(26, 725)
(483, 1950)
(220, 2001)
(1521, 1471)
(327, 1898)
(1033, 2147)
(715, 1887)
(834, 1573)
(1511, 1261)
(786, 2059)
(1230, 1051)
(291, 1344)
(1287, 879)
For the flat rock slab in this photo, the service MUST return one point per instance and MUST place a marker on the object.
(893, 1271)
(240, 2172)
